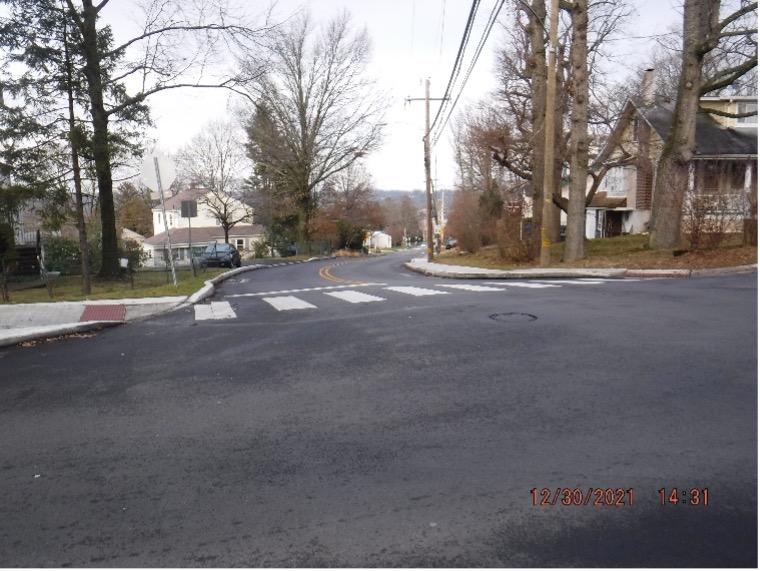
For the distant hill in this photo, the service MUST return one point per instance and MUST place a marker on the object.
(418, 196)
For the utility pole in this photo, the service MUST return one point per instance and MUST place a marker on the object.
(551, 96)
(428, 180)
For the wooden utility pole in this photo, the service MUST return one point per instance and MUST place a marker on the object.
(428, 183)
(551, 97)
(428, 180)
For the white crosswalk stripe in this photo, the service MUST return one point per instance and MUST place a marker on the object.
(352, 296)
(416, 291)
(214, 310)
(526, 285)
(469, 287)
(281, 301)
(288, 303)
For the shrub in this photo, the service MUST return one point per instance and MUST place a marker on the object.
(61, 254)
(512, 246)
(710, 217)
(465, 221)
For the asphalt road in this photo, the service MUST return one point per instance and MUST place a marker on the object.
(399, 431)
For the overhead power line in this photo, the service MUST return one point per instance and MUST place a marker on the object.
(439, 128)
(458, 62)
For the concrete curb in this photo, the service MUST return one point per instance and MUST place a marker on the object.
(657, 273)
(442, 271)
(209, 286)
(736, 271)
(52, 331)
(463, 272)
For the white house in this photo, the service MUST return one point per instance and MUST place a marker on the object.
(196, 232)
(378, 241)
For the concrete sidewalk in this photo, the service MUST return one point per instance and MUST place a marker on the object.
(28, 321)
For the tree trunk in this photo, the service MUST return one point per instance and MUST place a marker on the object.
(100, 148)
(537, 70)
(74, 140)
(673, 167)
(576, 212)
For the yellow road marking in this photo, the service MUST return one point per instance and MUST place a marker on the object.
(325, 274)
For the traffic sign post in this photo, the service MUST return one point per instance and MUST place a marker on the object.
(152, 170)
(189, 209)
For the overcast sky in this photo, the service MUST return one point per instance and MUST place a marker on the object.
(412, 40)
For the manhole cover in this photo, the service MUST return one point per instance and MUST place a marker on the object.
(513, 317)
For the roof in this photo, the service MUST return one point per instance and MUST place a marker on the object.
(128, 234)
(206, 234)
(601, 200)
(175, 202)
(712, 139)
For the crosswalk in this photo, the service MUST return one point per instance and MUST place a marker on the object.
(293, 300)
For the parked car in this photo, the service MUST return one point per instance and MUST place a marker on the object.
(220, 255)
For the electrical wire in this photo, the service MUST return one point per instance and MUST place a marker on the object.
(481, 44)
(458, 62)
(443, 22)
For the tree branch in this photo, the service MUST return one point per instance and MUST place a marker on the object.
(730, 75)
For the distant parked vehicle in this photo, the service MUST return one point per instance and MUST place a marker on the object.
(220, 255)
(450, 243)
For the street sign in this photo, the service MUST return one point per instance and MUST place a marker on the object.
(188, 208)
(158, 173)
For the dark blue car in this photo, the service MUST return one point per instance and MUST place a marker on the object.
(220, 255)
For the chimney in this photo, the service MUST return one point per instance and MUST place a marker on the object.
(648, 86)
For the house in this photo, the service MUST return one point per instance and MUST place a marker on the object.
(378, 241)
(724, 162)
(199, 231)
(244, 236)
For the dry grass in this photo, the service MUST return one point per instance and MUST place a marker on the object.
(631, 252)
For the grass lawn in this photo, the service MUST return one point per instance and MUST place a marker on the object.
(630, 252)
(146, 284)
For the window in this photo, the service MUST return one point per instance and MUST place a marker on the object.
(747, 108)
(240, 243)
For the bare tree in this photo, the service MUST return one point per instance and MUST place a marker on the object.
(579, 140)
(347, 209)
(324, 112)
(704, 30)
(402, 220)
(518, 141)
(215, 160)
(177, 43)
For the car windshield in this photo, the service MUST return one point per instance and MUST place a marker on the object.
(212, 248)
